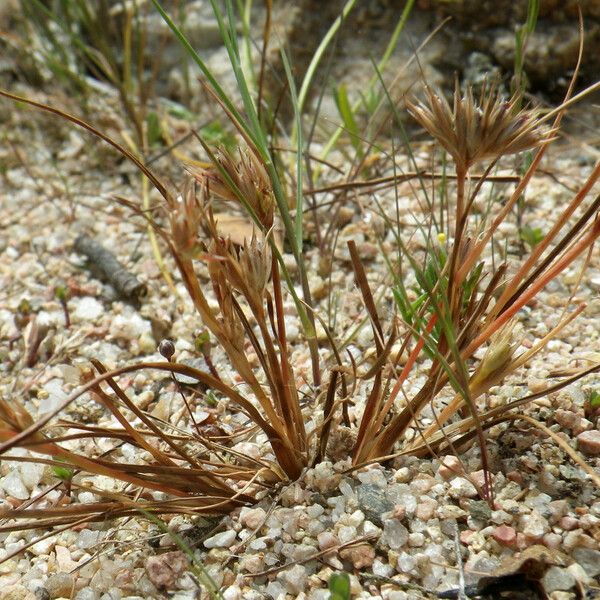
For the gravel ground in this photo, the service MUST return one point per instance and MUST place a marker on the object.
(411, 530)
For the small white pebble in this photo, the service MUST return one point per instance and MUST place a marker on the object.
(462, 488)
(252, 517)
(86, 309)
(403, 475)
(223, 539)
(13, 486)
(346, 489)
(416, 540)
(327, 540)
(346, 534)
(370, 529)
(314, 511)
(86, 497)
(42, 548)
(233, 592)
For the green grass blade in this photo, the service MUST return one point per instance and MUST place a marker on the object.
(198, 568)
(299, 153)
(347, 114)
(319, 53)
(201, 65)
(380, 67)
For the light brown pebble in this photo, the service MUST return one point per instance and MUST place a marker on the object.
(450, 466)
(16, 592)
(568, 523)
(537, 385)
(479, 478)
(399, 512)
(361, 556)
(466, 537)
(59, 585)
(164, 570)
(589, 442)
(522, 541)
(515, 476)
(422, 483)
(253, 563)
(252, 517)
(559, 508)
(426, 509)
(552, 541)
(63, 559)
(534, 525)
(327, 540)
(577, 538)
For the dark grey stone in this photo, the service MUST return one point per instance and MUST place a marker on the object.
(373, 502)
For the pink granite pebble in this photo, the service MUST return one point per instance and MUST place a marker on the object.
(505, 535)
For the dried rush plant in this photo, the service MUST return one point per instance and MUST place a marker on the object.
(465, 307)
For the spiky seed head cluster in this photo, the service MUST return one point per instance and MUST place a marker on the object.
(255, 262)
(231, 324)
(474, 130)
(185, 218)
(245, 176)
(247, 269)
(220, 275)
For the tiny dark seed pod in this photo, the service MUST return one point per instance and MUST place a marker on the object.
(167, 349)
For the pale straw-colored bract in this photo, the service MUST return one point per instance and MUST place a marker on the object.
(484, 129)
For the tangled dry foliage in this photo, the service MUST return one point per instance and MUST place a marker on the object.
(466, 305)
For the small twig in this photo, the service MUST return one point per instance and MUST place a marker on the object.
(405, 585)
(316, 555)
(37, 334)
(395, 179)
(106, 263)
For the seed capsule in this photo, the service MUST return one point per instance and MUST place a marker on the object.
(167, 349)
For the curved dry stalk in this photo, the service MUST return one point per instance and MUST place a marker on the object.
(281, 445)
(85, 125)
(494, 416)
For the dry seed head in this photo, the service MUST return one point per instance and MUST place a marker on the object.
(224, 261)
(185, 218)
(249, 176)
(499, 353)
(472, 130)
(247, 270)
(255, 263)
(231, 326)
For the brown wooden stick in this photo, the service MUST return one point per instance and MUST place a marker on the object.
(109, 268)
